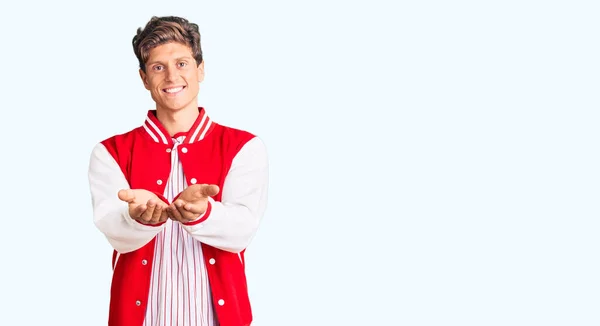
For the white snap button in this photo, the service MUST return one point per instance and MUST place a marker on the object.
(144, 262)
(138, 303)
(168, 150)
(193, 181)
(184, 150)
(159, 182)
(221, 302)
(211, 261)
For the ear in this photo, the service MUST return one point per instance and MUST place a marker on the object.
(144, 80)
(201, 72)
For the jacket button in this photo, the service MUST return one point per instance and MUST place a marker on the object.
(193, 181)
(184, 150)
(144, 262)
(211, 261)
(159, 182)
(138, 303)
(168, 150)
(221, 302)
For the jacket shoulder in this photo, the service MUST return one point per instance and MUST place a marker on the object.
(232, 138)
(120, 143)
(122, 137)
(235, 133)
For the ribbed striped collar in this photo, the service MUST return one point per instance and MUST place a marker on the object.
(201, 127)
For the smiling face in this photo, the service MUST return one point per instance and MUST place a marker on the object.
(173, 77)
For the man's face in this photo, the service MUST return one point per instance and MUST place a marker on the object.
(173, 77)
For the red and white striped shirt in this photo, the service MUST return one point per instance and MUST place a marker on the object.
(179, 290)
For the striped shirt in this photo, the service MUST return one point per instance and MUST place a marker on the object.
(179, 291)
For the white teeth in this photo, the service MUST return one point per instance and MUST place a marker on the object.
(173, 90)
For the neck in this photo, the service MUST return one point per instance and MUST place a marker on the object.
(177, 121)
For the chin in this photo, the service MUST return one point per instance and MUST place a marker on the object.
(175, 107)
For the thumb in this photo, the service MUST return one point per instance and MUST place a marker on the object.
(210, 190)
(126, 195)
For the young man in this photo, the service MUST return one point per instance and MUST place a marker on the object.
(180, 197)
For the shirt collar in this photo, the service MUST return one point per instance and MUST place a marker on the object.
(200, 129)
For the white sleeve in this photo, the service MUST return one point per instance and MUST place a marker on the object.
(111, 215)
(232, 222)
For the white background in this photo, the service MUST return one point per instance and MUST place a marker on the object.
(432, 162)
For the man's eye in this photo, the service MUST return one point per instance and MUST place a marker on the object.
(158, 68)
(183, 64)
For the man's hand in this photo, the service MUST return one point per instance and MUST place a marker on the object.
(144, 206)
(192, 202)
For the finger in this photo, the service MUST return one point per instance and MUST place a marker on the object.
(195, 208)
(186, 215)
(126, 195)
(164, 216)
(136, 211)
(174, 212)
(158, 212)
(146, 217)
(189, 216)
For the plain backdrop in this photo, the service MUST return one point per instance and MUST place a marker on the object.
(432, 162)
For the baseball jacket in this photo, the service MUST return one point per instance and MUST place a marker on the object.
(233, 159)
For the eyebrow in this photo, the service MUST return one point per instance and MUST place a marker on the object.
(176, 59)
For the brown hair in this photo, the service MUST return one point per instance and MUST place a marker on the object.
(161, 30)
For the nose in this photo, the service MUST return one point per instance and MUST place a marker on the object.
(172, 74)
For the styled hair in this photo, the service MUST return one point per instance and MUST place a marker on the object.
(161, 30)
